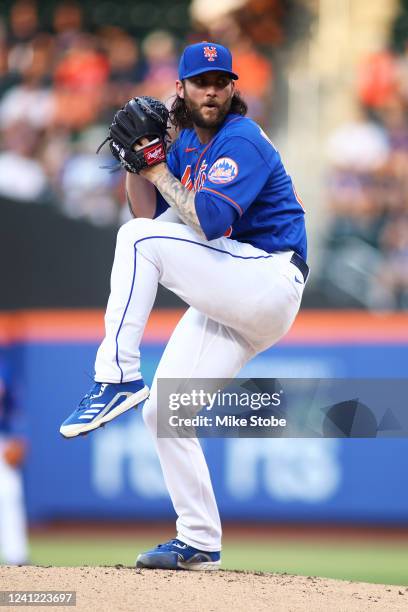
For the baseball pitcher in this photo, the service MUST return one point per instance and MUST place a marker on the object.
(236, 256)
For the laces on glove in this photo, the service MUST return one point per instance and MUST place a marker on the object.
(103, 144)
(112, 168)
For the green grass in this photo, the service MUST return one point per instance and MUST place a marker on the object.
(368, 562)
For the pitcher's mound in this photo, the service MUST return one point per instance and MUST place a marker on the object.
(124, 589)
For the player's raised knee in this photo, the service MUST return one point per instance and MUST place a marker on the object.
(136, 228)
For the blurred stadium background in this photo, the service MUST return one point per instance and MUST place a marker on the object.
(328, 81)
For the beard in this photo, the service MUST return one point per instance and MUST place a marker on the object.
(197, 112)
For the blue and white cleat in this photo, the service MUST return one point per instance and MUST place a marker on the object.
(176, 555)
(104, 402)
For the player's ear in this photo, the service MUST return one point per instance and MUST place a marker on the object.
(180, 89)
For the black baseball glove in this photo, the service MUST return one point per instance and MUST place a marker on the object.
(141, 117)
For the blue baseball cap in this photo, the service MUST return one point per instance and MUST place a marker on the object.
(205, 57)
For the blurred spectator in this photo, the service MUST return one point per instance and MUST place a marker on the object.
(368, 186)
(67, 24)
(377, 79)
(256, 81)
(23, 29)
(23, 22)
(32, 100)
(358, 152)
(161, 65)
(393, 274)
(7, 78)
(361, 145)
(86, 187)
(55, 151)
(22, 176)
(79, 83)
(13, 528)
(126, 67)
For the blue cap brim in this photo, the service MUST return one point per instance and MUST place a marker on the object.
(215, 69)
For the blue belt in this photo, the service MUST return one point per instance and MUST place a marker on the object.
(301, 265)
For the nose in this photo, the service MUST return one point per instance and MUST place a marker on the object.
(211, 90)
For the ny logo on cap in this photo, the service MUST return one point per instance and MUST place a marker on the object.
(210, 53)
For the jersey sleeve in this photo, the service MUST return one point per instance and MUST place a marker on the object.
(237, 175)
(215, 218)
(173, 160)
(173, 163)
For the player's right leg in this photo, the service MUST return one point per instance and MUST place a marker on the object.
(198, 348)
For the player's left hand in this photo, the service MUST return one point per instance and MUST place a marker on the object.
(141, 118)
(14, 452)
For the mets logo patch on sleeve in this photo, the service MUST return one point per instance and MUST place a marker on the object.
(224, 170)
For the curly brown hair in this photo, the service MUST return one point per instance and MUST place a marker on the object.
(180, 115)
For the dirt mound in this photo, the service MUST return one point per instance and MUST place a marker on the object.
(124, 589)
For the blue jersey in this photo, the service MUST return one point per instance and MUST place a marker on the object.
(241, 168)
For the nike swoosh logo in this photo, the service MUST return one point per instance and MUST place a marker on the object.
(180, 545)
(298, 281)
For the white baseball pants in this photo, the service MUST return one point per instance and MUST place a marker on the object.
(13, 527)
(242, 300)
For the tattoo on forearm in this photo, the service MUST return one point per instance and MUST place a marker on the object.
(180, 199)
